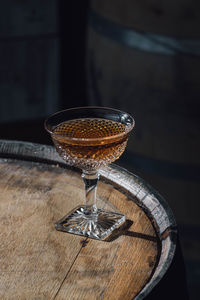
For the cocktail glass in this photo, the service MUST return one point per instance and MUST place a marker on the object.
(90, 138)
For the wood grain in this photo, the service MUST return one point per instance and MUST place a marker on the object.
(34, 258)
(117, 269)
(38, 262)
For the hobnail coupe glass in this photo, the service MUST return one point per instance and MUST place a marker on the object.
(90, 138)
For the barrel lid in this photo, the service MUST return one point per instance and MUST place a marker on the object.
(155, 207)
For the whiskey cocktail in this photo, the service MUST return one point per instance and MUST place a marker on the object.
(90, 138)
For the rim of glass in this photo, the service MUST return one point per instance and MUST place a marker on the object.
(127, 129)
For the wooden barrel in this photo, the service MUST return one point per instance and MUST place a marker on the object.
(29, 59)
(180, 19)
(144, 58)
(38, 262)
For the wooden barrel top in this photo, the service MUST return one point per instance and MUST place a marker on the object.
(37, 262)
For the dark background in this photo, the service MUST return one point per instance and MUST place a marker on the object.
(61, 54)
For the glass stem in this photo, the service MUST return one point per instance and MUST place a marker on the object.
(90, 179)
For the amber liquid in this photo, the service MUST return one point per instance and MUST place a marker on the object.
(91, 142)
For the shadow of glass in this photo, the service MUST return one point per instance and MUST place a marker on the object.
(124, 230)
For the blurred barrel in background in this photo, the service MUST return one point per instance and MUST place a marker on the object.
(158, 84)
(144, 58)
(29, 59)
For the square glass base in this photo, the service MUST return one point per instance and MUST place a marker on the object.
(98, 226)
